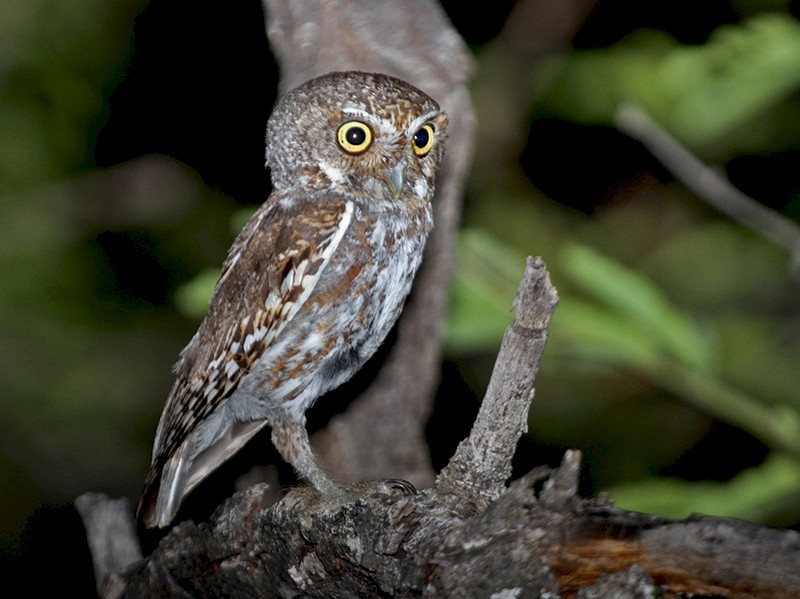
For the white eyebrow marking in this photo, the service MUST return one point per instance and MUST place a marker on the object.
(421, 120)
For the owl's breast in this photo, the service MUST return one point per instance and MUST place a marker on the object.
(370, 277)
(394, 248)
(354, 305)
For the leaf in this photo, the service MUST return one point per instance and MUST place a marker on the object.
(590, 333)
(637, 304)
(700, 93)
(754, 494)
(639, 330)
(239, 219)
(193, 296)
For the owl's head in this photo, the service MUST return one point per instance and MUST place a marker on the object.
(364, 132)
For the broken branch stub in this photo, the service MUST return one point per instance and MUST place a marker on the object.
(482, 463)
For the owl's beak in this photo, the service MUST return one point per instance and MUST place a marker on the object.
(395, 177)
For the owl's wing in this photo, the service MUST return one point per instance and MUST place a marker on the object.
(270, 272)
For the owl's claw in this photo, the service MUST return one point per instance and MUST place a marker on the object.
(398, 485)
(390, 486)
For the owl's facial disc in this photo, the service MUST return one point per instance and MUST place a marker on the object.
(395, 177)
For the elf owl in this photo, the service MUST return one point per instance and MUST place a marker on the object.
(312, 284)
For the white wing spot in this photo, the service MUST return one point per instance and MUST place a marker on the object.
(230, 368)
(289, 309)
(334, 174)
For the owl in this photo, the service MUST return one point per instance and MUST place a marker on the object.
(311, 285)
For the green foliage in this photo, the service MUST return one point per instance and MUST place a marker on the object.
(613, 318)
(193, 296)
(703, 94)
(755, 494)
(482, 290)
(59, 62)
(68, 386)
(670, 315)
(628, 320)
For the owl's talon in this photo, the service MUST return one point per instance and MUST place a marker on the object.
(403, 486)
(396, 486)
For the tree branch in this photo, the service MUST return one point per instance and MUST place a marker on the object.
(709, 185)
(535, 537)
(112, 539)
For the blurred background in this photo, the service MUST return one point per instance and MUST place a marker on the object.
(131, 150)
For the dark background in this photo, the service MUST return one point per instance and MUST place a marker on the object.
(96, 258)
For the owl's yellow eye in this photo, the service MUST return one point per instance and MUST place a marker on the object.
(422, 142)
(354, 137)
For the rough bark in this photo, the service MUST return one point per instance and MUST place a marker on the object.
(533, 538)
(439, 544)
(482, 463)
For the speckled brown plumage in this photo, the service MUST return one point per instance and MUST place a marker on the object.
(313, 283)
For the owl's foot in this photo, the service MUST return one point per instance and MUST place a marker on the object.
(390, 486)
(291, 441)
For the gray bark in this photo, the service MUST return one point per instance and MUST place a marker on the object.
(482, 463)
(533, 538)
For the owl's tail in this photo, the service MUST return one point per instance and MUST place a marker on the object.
(173, 478)
(163, 491)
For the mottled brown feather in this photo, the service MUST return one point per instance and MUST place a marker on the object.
(269, 249)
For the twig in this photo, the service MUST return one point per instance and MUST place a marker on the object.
(708, 184)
